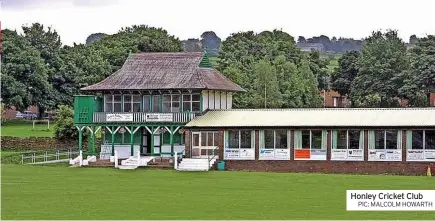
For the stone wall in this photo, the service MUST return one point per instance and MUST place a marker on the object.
(40, 143)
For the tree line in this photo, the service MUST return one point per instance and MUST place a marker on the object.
(39, 70)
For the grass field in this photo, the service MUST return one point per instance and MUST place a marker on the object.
(26, 130)
(59, 192)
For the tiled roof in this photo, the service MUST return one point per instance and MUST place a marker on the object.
(318, 117)
(155, 71)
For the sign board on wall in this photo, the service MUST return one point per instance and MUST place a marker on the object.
(274, 154)
(347, 154)
(420, 155)
(119, 117)
(307, 154)
(385, 155)
(239, 154)
(159, 117)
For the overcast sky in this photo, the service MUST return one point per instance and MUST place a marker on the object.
(76, 19)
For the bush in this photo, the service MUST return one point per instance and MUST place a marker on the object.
(65, 129)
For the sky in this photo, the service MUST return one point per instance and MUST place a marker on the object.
(74, 20)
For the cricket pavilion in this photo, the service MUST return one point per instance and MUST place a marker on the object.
(163, 104)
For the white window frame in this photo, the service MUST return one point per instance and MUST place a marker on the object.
(251, 150)
(346, 151)
(171, 100)
(323, 149)
(112, 102)
(384, 151)
(274, 149)
(132, 102)
(190, 101)
(424, 150)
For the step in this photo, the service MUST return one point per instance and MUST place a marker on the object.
(191, 169)
(127, 167)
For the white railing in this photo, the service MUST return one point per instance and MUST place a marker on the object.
(48, 157)
(142, 117)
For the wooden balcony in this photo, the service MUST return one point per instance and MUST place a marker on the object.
(143, 117)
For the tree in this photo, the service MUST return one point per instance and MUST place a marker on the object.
(413, 39)
(245, 54)
(319, 68)
(94, 37)
(266, 85)
(64, 121)
(309, 86)
(192, 45)
(301, 39)
(420, 79)
(346, 72)
(381, 71)
(138, 38)
(48, 43)
(24, 73)
(211, 42)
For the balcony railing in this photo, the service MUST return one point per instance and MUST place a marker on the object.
(143, 117)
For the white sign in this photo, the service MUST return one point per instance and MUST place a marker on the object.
(420, 155)
(159, 117)
(347, 154)
(274, 154)
(266, 154)
(282, 154)
(390, 200)
(232, 154)
(385, 155)
(239, 154)
(318, 154)
(247, 154)
(414, 155)
(119, 117)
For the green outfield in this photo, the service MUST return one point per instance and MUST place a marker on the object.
(60, 192)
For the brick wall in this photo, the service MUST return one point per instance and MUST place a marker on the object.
(328, 166)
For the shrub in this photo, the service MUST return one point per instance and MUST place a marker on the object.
(65, 129)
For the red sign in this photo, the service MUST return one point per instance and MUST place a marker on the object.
(302, 154)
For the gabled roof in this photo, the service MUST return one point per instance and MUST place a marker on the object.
(157, 71)
(318, 117)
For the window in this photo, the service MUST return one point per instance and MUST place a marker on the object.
(156, 103)
(273, 139)
(340, 139)
(239, 139)
(233, 139)
(429, 139)
(379, 140)
(191, 102)
(423, 139)
(269, 139)
(310, 139)
(356, 138)
(131, 103)
(347, 139)
(171, 103)
(391, 139)
(316, 139)
(112, 103)
(306, 139)
(417, 139)
(175, 103)
(147, 103)
(281, 139)
(385, 139)
(166, 103)
(245, 139)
